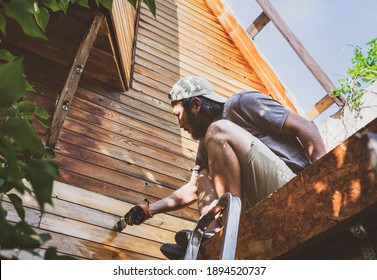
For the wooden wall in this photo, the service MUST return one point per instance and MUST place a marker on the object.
(117, 148)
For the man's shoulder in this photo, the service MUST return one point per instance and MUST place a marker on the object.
(248, 93)
(242, 98)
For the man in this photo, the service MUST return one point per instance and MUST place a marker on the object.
(249, 145)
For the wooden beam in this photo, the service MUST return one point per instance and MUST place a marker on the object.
(331, 193)
(244, 43)
(298, 47)
(319, 107)
(258, 25)
(66, 96)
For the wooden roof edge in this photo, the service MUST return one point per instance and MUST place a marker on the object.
(253, 55)
(333, 193)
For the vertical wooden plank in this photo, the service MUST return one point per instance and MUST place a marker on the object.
(124, 19)
(73, 79)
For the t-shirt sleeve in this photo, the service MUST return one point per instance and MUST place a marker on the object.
(201, 156)
(259, 110)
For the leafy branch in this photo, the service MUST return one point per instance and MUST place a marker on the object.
(362, 74)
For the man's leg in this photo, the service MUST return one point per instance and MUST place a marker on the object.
(236, 156)
(226, 143)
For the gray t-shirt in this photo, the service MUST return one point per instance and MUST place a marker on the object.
(264, 118)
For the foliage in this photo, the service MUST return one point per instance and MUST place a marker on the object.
(362, 74)
(26, 165)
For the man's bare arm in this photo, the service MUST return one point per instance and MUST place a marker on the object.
(180, 198)
(307, 132)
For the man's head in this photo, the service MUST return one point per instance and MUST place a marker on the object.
(192, 86)
(196, 105)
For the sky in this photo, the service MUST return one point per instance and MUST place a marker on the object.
(328, 29)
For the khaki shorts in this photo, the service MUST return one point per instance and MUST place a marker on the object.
(262, 172)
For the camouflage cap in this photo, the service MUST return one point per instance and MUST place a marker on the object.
(190, 86)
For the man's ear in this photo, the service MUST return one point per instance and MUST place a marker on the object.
(195, 104)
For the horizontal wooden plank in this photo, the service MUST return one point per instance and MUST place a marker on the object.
(104, 173)
(139, 118)
(179, 217)
(229, 64)
(97, 234)
(91, 215)
(182, 28)
(328, 194)
(196, 15)
(134, 151)
(169, 35)
(164, 140)
(115, 155)
(81, 248)
(132, 184)
(113, 206)
(191, 62)
(127, 103)
(32, 216)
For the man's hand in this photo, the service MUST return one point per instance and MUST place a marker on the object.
(138, 214)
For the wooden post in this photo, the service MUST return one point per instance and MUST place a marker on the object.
(297, 46)
(258, 25)
(72, 81)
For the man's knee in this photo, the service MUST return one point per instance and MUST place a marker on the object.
(218, 131)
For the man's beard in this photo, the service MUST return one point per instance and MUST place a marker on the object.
(198, 126)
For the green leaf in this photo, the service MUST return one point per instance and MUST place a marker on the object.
(29, 87)
(24, 236)
(6, 55)
(44, 122)
(107, 3)
(84, 3)
(3, 24)
(52, 4)
(151, 6)
(42, 18)
(57, 5)
(7, 150)
(23, 12)
(6, 232)
(133, 3)
(12, 82)
(19, 235)
(41, 174)
(22, 133)
(36, 8)
(12, 177)
(17, 203)
(64, 4)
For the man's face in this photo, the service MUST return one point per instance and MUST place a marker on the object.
(191, 120)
